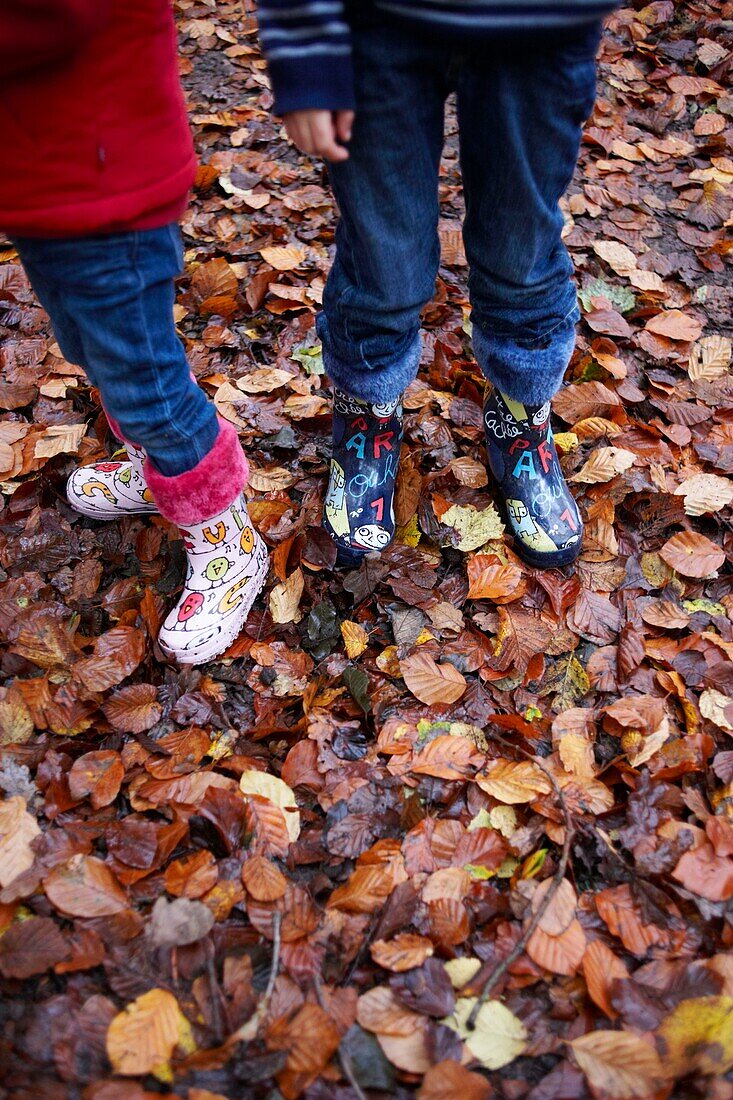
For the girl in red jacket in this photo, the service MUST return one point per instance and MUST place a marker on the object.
(91, 104)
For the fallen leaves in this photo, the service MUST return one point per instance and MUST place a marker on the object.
(498, 1036)
(618, 1064)
(431, 683)
(692, 554)
(85, 887)
(141, 1039)
(18, 829)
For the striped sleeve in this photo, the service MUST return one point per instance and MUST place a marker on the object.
(307, 44)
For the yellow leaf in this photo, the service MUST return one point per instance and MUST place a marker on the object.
(142, 1038)
(498, 1038)
(460, 971)
(285, 599)
(713, 704)
(473, 528)
(276, 791)
(618, 257)
(355, 638)
(268, 481)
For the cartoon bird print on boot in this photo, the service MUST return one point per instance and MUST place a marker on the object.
(226, 569)
(542, 513)
(107, 490)
(358, 510)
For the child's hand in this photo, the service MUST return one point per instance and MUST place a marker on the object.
(319, 132)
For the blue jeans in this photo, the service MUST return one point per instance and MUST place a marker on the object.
(110, 299)
(520, 113)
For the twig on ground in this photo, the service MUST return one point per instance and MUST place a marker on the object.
(344, 1061)
(248, 1031)
(501, 968)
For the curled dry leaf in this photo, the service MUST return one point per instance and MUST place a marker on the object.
(285, 599)
(355, 638)
(604, 464)
(141, 1039)
(404, 952)
(430, 682)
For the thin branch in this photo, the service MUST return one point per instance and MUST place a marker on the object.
(344, 1061)
(501, 968)
(248, 1031)
(275, 966)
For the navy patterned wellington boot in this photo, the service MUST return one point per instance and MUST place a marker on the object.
(542, 513)
(358, 512)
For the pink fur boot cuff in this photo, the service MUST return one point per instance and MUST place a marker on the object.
(210, 487)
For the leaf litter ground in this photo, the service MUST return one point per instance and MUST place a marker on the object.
(445, 825)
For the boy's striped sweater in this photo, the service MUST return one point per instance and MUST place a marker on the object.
(308, 42)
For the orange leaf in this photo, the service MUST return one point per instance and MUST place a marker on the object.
(601, 968)
(85, 887)
(675, 325)
(98, 774)
(706, 874)
(310, 1039)
(432, 683)
(262, 879)
(192, 876)
(445, 757)
(452, 1079)
(561, 954)
(619, 1065)
(692, 554)
(133, 709)
(513, 781)
(404, 952)
(490, 579)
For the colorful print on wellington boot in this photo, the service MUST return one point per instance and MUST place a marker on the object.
(227, 567)
(110, 489)
(542, 513)
(358, 511)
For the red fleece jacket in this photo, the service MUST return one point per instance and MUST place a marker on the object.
(94, 131)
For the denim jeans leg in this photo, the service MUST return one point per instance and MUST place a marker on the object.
(520, 117)
(119, 290)
(387, 248)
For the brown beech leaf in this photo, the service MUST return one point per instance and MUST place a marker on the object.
(618, 1065)
(310, 1039)
(97, 774)
(85, 887)
(116, 654)
(192, 876)
(18, 829)
(601, 967)
(692, 554)
(263, 880)
(31, 946)
(452, 1079)
(380, 1011)
(133, 709)
(561, 954)
(513, 782)
(675, 325)
(445, 757)
(430, 682)
(404, 952)
(490, 579)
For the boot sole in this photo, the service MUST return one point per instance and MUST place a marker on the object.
(105, 516)
(233, 626)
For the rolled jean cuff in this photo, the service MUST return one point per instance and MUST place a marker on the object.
(379, 382)
(526, 374)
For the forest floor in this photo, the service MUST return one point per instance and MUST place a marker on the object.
(298, 871)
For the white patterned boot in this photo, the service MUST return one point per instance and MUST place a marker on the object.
(227, 561)
(110, 489)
